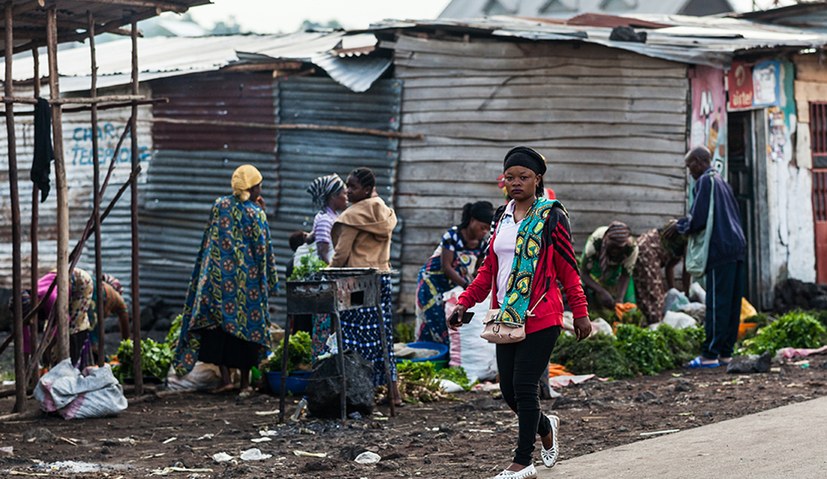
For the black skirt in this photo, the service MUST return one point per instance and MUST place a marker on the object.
(223, 349)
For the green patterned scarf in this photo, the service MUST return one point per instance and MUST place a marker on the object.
(526, 254)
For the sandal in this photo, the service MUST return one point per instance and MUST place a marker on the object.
(699, 363)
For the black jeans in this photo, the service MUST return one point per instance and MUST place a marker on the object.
(725, 288)
(521, 365)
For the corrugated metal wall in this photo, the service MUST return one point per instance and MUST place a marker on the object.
(305, 154)
(193, 165)
(612, 125)
(116, 235)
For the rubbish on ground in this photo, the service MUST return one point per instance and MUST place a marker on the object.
(449, 386)
(267, 413)
(320, 455)
(129, 440)
(486, 431)
(679, 320)
(38, 434)
(260, 439)
(368, 457)
(75, 467)
(268, 432)
(169, 470)
(69, 440)
(7, 450)
(794, 353)
(206, 436)
(222, 457)
(254, 454)
(203, 377)
(172, 439)
(304, 430)
(750, 364)
(657, 433)
(299, 410)
(24, 473)
(563, 381)
(66, 391)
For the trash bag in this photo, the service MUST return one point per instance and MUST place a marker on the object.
(203, 376)
(747, 310)
(750, 364)
(674, 300)
(66, 391)
(467, 349)
(679, 320)
(325, 386)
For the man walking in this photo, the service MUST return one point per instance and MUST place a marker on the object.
(715, 224)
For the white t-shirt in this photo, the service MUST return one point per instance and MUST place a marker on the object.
(504, 245)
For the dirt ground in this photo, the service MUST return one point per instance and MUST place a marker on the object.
(469, 437)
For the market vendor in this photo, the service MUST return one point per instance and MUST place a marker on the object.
(607, 265)
(654, 272)
(226, 314)
(362, 239)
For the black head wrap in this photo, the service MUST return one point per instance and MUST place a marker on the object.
(525, 157)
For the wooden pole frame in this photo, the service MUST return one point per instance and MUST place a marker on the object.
(96, 200)
(62, 303)
(34, 331)
(136, 295)
(17, 265)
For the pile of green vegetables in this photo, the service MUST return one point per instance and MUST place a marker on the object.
(419, 381)
(155, 359)
(634, 350)
(796, 329)
(308, 265)
(299, 355)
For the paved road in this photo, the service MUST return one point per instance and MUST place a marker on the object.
(789, 442)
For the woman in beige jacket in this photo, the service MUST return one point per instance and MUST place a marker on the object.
(362, 239)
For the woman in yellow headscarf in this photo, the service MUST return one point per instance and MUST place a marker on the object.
(226, 315)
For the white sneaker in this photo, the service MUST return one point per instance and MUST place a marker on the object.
(551, 454)
(527, 472)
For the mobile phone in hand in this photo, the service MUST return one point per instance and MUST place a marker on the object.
(466, 318)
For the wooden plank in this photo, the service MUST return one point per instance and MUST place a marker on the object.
(550, 90)
(628, 145)
(564, 69)
(544, 116)
(519, 63)
(406, 45)
(427, 153)
(598, 76)
(645, 104)
(654, 135)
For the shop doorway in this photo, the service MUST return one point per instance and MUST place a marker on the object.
(818, 149)
(746, 174)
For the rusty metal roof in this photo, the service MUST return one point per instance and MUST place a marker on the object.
(29, 20)
(710, 41)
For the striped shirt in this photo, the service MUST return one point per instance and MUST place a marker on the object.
(322, 224)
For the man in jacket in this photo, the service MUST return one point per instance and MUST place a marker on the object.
(725, 269)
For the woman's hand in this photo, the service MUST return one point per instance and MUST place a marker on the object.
(459, 311)
(582, 328)
(260, 202)
(606, 299)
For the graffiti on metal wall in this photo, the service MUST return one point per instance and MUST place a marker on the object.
(79, 145)
(709, 116)
(781, 118)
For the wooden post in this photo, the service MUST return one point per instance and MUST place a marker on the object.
(136, 300)
(35, 325)
(62, 304)
(96, 180)
(17, 265)
(285, 351)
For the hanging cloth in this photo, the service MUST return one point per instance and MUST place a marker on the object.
(43, 153)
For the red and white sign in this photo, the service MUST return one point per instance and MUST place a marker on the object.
(741, 92)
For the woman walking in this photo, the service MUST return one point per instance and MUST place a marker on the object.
(453, 263)
(362, 238)
(530, 252)
(226, 313)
